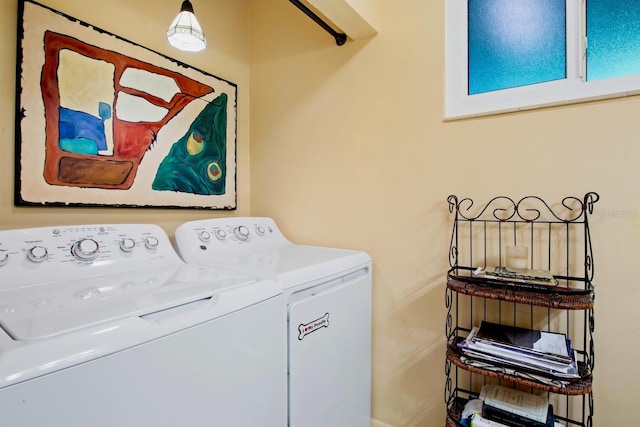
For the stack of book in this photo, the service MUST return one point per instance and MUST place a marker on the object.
(516, 408)
(542, 353)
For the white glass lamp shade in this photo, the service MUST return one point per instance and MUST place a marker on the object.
(185, 32)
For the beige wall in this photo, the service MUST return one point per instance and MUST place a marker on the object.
(143, 22)
(348, 148)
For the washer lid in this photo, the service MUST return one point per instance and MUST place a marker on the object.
(48, 310)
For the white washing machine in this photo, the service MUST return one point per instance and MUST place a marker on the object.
(104, 326)
(328, 305)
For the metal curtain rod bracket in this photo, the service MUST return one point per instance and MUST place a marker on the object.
(341, 38)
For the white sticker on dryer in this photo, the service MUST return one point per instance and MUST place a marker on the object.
(304, 330)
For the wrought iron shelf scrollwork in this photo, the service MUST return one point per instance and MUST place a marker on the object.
(559, 240)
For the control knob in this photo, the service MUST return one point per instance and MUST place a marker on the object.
(221, 234)
(241, 232)
(37, 254)
(204, 236)
(151, 243)
(4, 256)
(85, 249)
(259, 230)
(127, 244)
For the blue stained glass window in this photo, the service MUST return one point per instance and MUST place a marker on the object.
(515, 43)
(613, 32)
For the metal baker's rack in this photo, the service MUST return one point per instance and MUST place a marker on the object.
(559, 240)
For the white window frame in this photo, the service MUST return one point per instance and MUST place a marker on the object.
(573, 89)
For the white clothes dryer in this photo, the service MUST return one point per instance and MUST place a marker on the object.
(328, 306)
(104, 325)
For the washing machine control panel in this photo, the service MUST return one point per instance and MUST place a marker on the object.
(48, 254)
(226, 237)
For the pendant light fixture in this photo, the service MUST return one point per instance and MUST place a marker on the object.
(185, 32)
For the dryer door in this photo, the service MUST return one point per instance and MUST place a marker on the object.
(330, 355)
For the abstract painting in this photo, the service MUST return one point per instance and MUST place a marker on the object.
(102, 121)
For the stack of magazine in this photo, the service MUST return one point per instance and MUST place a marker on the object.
(512, 407)
(528, 351)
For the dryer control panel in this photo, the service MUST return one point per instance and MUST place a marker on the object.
(226, 237)
(48, 254)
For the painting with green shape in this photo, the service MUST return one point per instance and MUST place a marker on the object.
(103, 121)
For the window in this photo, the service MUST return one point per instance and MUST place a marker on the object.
(613, 32)
(515, 43)
(508, 55)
